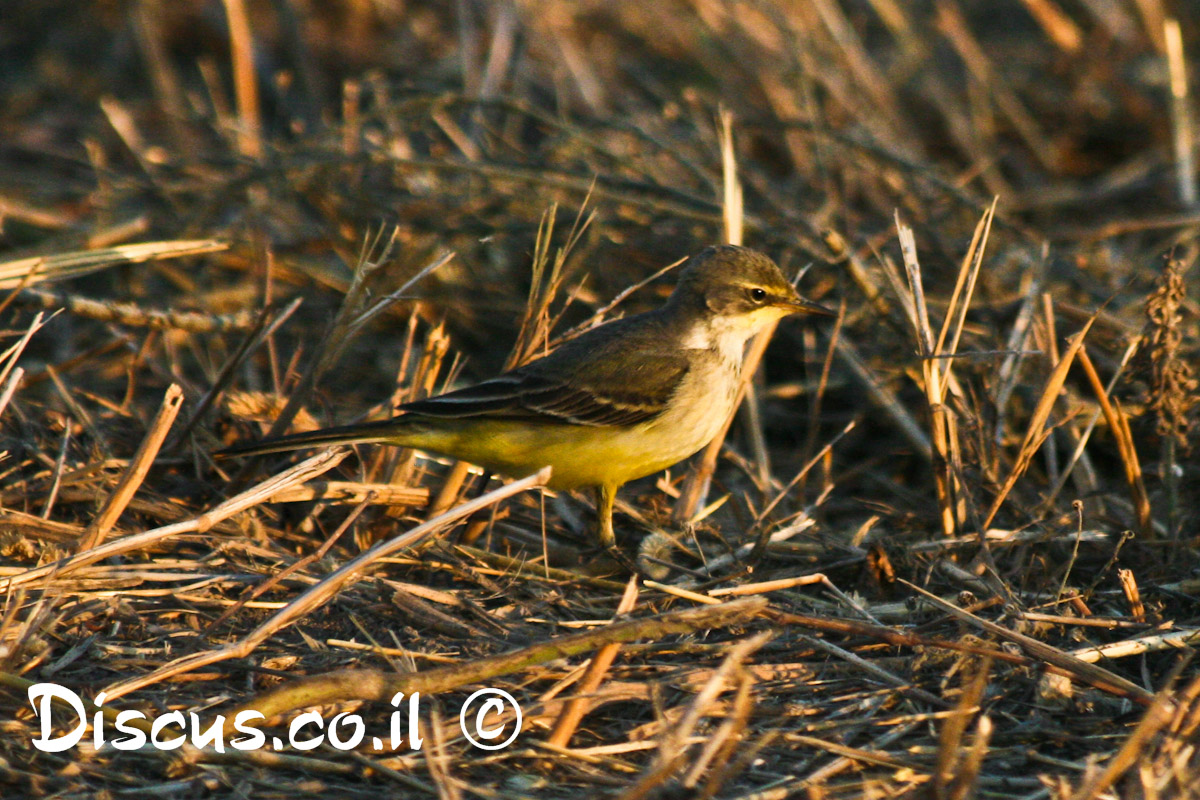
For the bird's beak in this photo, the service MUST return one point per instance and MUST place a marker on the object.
(798, 305)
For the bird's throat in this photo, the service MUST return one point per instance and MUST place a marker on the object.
(725, 336)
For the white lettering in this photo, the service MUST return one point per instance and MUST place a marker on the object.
(46, 692)
(162, 722)
(137, 737)
(241, 724)
(298, 723)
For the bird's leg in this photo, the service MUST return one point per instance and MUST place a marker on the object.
(605, 497)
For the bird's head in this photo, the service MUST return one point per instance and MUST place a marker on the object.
(736, 292)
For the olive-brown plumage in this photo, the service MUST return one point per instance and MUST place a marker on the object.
(621, 401)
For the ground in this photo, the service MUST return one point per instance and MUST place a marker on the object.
(949, 546)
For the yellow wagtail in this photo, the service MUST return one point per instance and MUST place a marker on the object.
(621, 401)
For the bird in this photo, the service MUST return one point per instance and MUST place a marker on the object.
(623, 400)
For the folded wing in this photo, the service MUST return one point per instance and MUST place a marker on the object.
(611, 376)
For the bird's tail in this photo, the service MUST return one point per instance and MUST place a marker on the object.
(390, 431)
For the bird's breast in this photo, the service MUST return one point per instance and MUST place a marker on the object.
(702, 404)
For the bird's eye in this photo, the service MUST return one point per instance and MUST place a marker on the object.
(758, 295)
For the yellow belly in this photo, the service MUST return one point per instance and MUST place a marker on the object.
(582, 455)
(579, 456)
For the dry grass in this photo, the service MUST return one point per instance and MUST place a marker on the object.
(948, 549)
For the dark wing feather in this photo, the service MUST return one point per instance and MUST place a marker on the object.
(493, 397)
(618, 374)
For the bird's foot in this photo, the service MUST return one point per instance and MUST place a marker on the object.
(621, 557)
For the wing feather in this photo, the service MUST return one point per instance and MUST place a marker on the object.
(616, 375)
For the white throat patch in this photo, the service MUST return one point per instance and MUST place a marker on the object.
(726, 335)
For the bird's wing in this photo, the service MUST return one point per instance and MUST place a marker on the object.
(594, 380)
